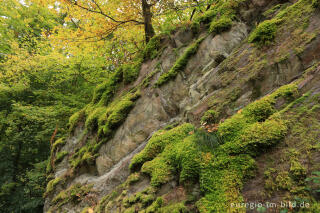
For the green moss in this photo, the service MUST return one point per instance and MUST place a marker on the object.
(255, 112)
(297, 171)
(283, 181)
(276, 9)
(159, 171)
(60, 156)
(157, 144)
(49, 168)
(105, 92)
(174, 208)
(133, 178)
(206, 17)
(131, 71)
(58, 143)
(155, 205)
(220, 9)
(151, 50)
(269, 175)
(221, 25)
(223, 168)
(180, 64)
(265, 33)
(53, 159)
(146, 200)
(106, 200)
(51, 185)
(185, 157)
(74, 193)
(210, 116)
(75, 119)
(104, 120)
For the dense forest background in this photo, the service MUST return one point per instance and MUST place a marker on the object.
(53, 53)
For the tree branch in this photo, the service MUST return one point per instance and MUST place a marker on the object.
(75, 3)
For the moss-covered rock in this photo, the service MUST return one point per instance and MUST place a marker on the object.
(104, 120)
(60, 156)
(52, 184)
(265, 33)
(221, 25)
(157, 144)
(210, 116)
(74, 193)
(221, 169)
(180, 64)
(151, 50)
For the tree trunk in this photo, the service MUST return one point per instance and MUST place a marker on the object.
(148, 28)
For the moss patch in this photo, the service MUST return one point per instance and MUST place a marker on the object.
(221, 25)
(180, 64)
(51, 185)
(157, 144)
(151, 50)
(60, 156)
(104, 120)
(265, 33)
(74, 194)
(211, 116)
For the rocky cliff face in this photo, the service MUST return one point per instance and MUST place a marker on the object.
(265, 139)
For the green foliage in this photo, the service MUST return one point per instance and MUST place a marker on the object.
(265, 33)
(24, 195)
(38, 92)
(180, 64)
(221, 25)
